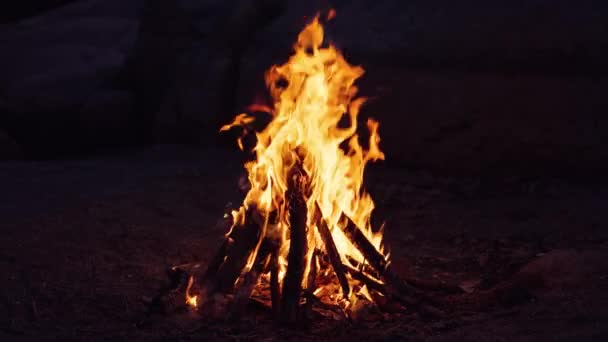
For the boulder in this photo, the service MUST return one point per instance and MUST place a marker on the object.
(63, 88)
(185, 67)
(106, 114)
(555, 273)
(55, 66)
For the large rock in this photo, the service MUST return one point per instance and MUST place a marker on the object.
(106, 115)
(555, 273)
(64, 88)
(52, 66)
(185, 66)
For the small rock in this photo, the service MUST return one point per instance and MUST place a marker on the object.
(469, 286)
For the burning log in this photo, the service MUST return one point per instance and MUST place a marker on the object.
(275, 286)
(367, 249)
(216, 261)
(375, 258)
(332, 252)
(250, 279)
(239, 246)
(312, 273)
(292, 284)
(310, 282)
(378, 286)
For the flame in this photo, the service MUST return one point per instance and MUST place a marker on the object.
(314, 123)
(191, 300)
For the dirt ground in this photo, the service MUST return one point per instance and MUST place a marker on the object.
(82, 242)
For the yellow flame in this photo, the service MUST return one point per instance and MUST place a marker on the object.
(192, 301)
(315, 111)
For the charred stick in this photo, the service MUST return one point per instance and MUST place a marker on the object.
(311, 281)
(379, 287)
(370, 282)
(332, 252)
(312, 272)
(187, 267)
(216, 261)
(244, 239)
(275, 288)
(375, 258)
(369, 252)
(250, 279)
(315, 300)
(292, 283)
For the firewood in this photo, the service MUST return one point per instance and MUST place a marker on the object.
(332, 252)
(369, 252)
(250, 279)
(216, 261)
(292, 283)
(375, 258)
(312, 271)
(370, 282)
(318, 302)
(243, 241)
(275, 287)
(376, 285)
(311, 281)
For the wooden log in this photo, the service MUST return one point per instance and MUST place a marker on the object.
(370, 282)
(369, 252)
(329, 307)
(311, 282)
(250, 280)
(416, 303)
(216, 261)
(332, 252)
(275, 287)
(312, 272)
(375, 258)
(243, 240)
(292, 283)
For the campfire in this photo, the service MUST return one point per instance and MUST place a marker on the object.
(302, 239)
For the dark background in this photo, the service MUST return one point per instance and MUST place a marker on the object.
(467, 87)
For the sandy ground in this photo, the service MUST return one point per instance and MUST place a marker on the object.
(83, 241)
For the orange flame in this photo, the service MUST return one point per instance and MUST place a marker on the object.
(191, 300)
(314, 94)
